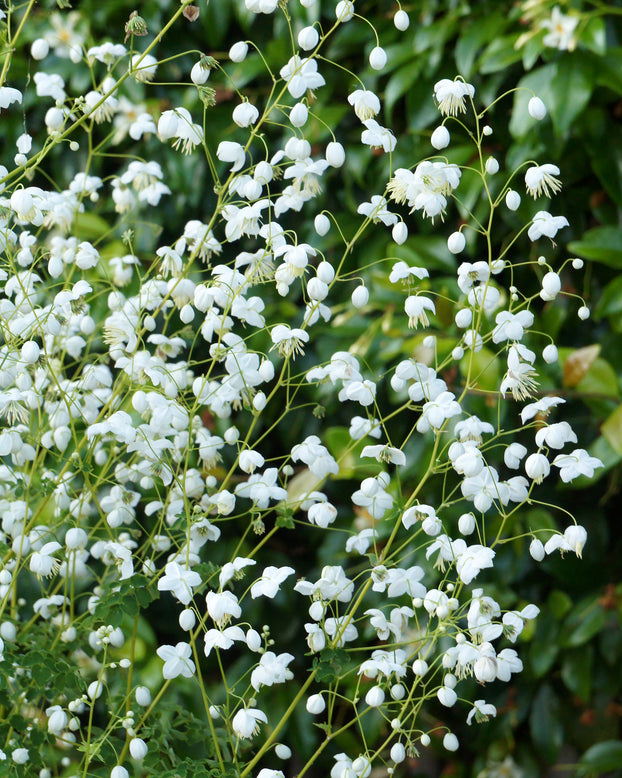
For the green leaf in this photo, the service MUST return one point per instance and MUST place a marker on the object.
(611, 430)
(594, 36)
(89, 226)
(602, 244)
(399, 83)
(577, 671)
(331, 664)
(572, 86)
(609, 73)
(601, 757)
(546, 728)
(500, 54)
(559, 603)
(586, 621)
(610, 303)
(473, 38)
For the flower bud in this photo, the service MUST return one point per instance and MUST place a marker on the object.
(492, 166)
(360, 296)
(456, 242)
(398, 753)
(282, 751)
(466, 524)
(30, 352)
(378, 58)
(537, 467)
(399, 233)
(199, 74)
(450, 742)
(344, 10)
(325, 272)
(245, 114)
(512, 200)
(551, 285)
(299, 115)
(138, 749)
(317, 289)
(447, 697)
(335, 154)
(550, 354)
(536, 108)
(375, 697)
(238, 52)
(440, 138)
(583, 313)
(187, 619)
(321, 224)
(401, 22)
(316, 704)
(308, 38)
(143, 696)
(40, 48)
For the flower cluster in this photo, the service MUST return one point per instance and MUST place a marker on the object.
(157, 442)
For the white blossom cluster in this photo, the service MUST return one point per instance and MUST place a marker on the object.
(141, 396)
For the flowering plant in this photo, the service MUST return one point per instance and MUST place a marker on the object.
(176, 414)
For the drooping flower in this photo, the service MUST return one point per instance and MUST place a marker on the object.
(245, 723)
(451, 96)
(539, 178)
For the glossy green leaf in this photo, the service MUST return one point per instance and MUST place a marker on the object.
(475, 36)
(577, 671)
(572, 86)
(545, 724)
(611, 430)
(609, 71)
(585, 621)
(610, 302)
(602, 244)
(601, 758)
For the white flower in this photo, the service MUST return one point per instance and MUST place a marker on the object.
(229, 151)
(288, 341)
(451, 95)
(376, 210)
(270, 581)
(9, 95)
(223, 639)
(416, 307)
(245, 723)
(366, 104)
(561, 29)
(179, 581)
(271, 669)
(437, 411)
(385, 454)
(376, 136)
(245, 114)
(481, 711)
(177, 660)
(539, 178)
(577, 463)
(545, 224)
(221, 606)
(520, 378)
(555, 435)
(301, 75)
